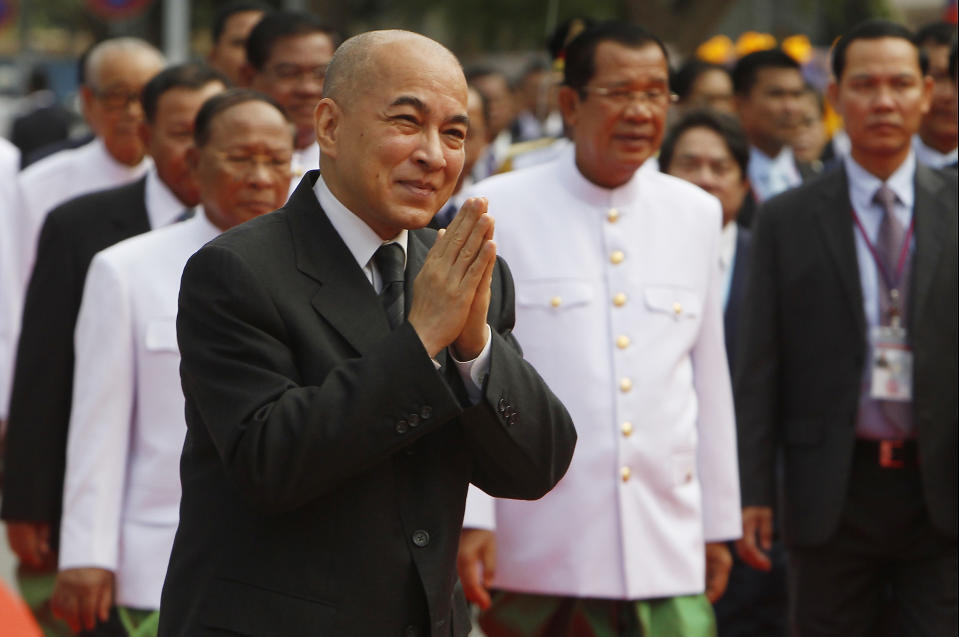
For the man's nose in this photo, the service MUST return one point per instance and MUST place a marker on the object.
(429, 152)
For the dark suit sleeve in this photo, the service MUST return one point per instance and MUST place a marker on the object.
(283, 442)
(43, 381)
(757, 372)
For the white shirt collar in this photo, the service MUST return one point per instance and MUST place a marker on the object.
(772, 175)
(727, 245)
(163, 207)
(932, 157)
(863, 184)
(99, 153)
(359, 238)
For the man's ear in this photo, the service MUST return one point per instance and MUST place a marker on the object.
(327, 117)
(568, 99)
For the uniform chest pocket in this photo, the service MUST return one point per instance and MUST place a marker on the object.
(680, 303)
(160, 336)
(553, 294)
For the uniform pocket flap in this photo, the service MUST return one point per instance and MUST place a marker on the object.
(161, 335)
(679, 302)
(259, 612)
(553, 293)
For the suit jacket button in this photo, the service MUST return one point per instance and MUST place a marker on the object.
(421, 538)
(402, 427)
(502, 405)
(426, 412)
(414, 420)
(513, 419)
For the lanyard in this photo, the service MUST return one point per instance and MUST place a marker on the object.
(891, 285)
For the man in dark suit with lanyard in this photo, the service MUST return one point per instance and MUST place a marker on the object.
(72, 233)
(848, 362)
(347, 375)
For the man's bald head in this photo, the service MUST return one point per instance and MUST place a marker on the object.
(358, 62)
(116, 50)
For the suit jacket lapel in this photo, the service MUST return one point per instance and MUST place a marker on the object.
(930, 218)
(132, 218)
(344, 297)
(836, 228)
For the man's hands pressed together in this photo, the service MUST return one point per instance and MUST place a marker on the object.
(451, 293)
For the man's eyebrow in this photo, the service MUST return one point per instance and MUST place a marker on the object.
(410, 100)
(418, 104)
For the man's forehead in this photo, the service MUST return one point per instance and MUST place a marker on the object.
(614, 58)
(880, 54)
(289, 49)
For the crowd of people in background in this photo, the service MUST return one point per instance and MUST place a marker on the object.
(740, 285)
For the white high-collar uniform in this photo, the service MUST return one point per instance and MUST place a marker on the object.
(58, 178)
(121, 492)
(619, 308)
(10, 301)
(303, 159)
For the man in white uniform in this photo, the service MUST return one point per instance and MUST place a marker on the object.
(287, 54)
(116, 71)
(122, 491)
(619, 305)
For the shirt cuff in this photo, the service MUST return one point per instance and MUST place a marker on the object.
(473, 372)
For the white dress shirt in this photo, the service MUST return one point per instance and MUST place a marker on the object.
(10, 296)
(727, 257)
(931, 157)
(363, 242)
(163, 207)
(770, 176)
(121, 491)
(618, 307)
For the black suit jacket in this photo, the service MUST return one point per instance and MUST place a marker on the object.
(43, 377)
(326, 460)
(737, 289)
(803, 348)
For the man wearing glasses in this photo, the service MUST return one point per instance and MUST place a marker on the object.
(287, 54)
(619, 305)
(116, 71)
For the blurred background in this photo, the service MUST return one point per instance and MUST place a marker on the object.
(41, 40)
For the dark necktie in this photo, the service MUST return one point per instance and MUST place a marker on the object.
(390, 263)
(889, 246)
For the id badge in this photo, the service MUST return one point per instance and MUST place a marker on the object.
(891, 364)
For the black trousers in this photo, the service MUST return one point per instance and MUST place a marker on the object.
(886, 571)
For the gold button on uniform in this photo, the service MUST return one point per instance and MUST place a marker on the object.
(619, 299)
(622, 341)
(625, 385)
(624, 473)
(677, 308)
(617, 257)
(627, 429)
(556, 301)
(612, 215)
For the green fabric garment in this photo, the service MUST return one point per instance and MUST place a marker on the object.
(528, 615)
(139, 622)
(36, 589)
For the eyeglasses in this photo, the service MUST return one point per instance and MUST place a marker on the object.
(115, 99)
(241, 163)
(288, 72)
(622, 96)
